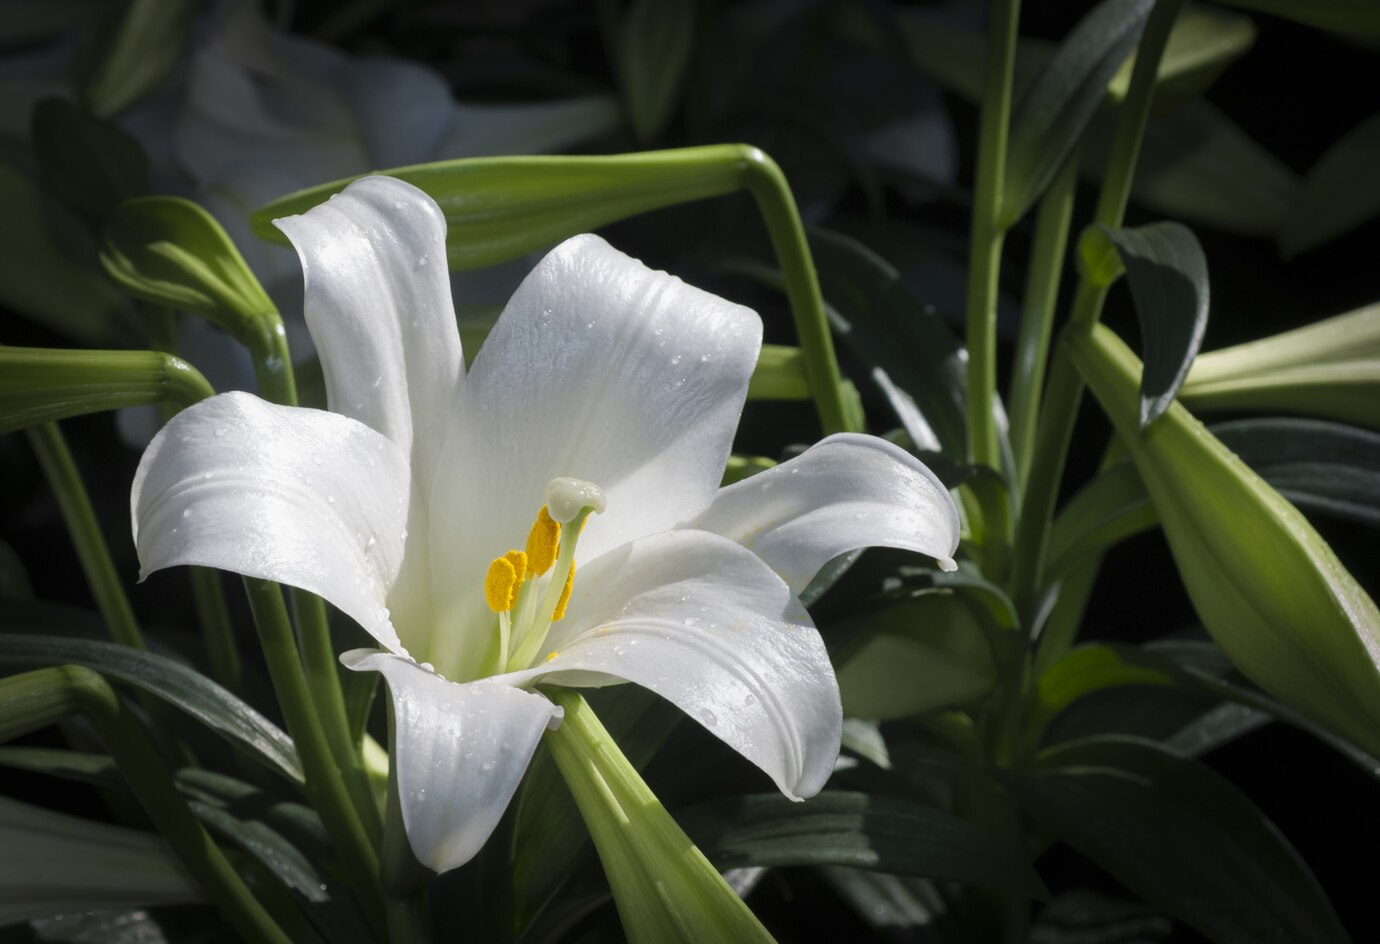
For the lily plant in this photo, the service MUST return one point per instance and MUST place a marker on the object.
(553, 516)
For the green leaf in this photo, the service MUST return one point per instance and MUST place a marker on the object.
(654, 43)
(1340, 192)
(1267, 587)
(91, 163)
(1203, 42)
(1057, 107)
(1323, 468)
(39, 385)
(499, 208)
(51, 272)
(1167, 273)
(1342, 16)
(190, 691)
(913, 658)
(880, 833)
(172, 252)
(1197, 165)
(1180, 837)
(129, 50)
(915, 359)
(889, 904)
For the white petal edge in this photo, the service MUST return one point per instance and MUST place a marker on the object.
(298, 496)
(377, 303)
(460, 751)
(845, 492)
(598, 369)
(708, 626)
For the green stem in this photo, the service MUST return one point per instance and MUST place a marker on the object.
(55, 458)
(94, 556)
(1065, 390)
(325, 783)
(49, 695)
(273, 369)
(768, 185)
(987, 233)
(216, 629)
(405, 880)
(1043, 276)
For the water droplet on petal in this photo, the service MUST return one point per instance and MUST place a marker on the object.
(750, 699)
(708, 717)
(487, 765)
(221, 431)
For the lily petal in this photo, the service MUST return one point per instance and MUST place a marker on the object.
(460, 751)
(378, 307)
(303, 497)
(847, 491)
(706, 624)
(599, 369)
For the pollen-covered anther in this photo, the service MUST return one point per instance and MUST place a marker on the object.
(543, 542)
(501, 585)
(559, 612)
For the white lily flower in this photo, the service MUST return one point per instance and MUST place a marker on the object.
(552, 516)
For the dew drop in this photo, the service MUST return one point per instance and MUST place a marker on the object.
(708, 717)
(186, 512)
(749, 699)
(487, 765)
(423, 260)
(706, 358)
(330, 499)
(221, 431)
(207, 475)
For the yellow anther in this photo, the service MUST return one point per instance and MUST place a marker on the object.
(501, 585)
(519, 561)
(543, 542)
(559, 612)
(551, 655)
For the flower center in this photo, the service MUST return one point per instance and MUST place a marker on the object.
(530, 589)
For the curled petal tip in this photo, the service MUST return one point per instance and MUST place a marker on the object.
(947, 564)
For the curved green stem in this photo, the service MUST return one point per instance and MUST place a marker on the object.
(46, 696)
(1043, 276)
(768, 186)
(325, 782)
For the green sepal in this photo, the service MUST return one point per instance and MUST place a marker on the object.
(172, 252)
(665, 888)
(91, 163)
(1267, 587)
(40, 385)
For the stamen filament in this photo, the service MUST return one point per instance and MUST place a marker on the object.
(556, 596)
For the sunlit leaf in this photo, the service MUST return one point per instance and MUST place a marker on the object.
(1330, 368)
(1267, 587)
